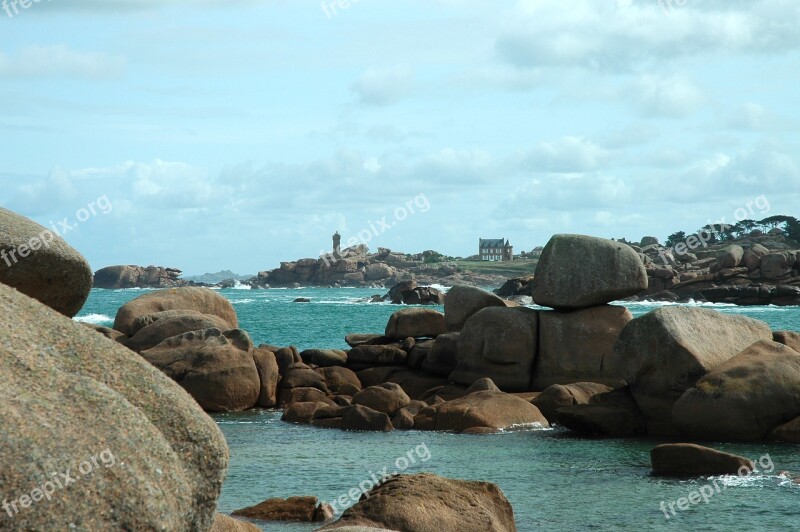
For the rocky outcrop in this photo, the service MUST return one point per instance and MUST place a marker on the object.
(73, 397)
(387, 398)
(613, 414)
(163, 328)
(743, 398)
(201, 300)
(39, 263)
(115, 277)
(429, 502)
(690, 460)
(754, 269)
(670, 348)
(506, 357)
(577, 271)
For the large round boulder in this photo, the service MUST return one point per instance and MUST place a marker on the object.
(480, 410)
(145, 456)
(464, 301)
(579, 346)
(39, 263)
(387, 398)
(161, 329)
(429, 502)
(745, 397)
(201, 300)
(577, 271)
(730, 256)
(499, 343)
(267, 368)
(415, 323)
(667, 350)
(212, 366)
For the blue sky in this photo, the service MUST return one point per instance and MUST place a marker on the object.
(238, 134)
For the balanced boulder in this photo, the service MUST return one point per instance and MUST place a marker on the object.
(577, 271)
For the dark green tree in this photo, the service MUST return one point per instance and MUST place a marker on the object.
(675, 238)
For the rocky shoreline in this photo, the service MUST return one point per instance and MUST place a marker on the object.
(140, 389)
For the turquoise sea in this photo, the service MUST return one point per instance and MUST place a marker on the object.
(553, 480)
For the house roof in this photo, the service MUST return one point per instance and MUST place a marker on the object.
(491, 242)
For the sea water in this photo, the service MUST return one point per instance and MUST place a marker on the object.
(554, 480)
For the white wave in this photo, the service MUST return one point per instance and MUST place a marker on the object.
(242, 301)
(441, 287)
(239, 286)
(95, 319)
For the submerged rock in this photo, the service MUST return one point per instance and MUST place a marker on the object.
(297, 509)
(690, 460)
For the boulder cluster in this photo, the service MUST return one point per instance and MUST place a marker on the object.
(756, 269)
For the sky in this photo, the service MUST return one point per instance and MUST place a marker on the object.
(235, 134)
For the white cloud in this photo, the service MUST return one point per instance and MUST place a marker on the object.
(384, 86)
(672, 96)
(38, 61)
(567, 154)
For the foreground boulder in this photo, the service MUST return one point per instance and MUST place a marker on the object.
(577, 271)
(669, 349)
(490, 410)
(71, 396)
(498, 343)
(37, 262)
(427, 502)
(579, 346)
(689, 460)
(297, 509)
(745, 397)
(201, 300)
(216, 368)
